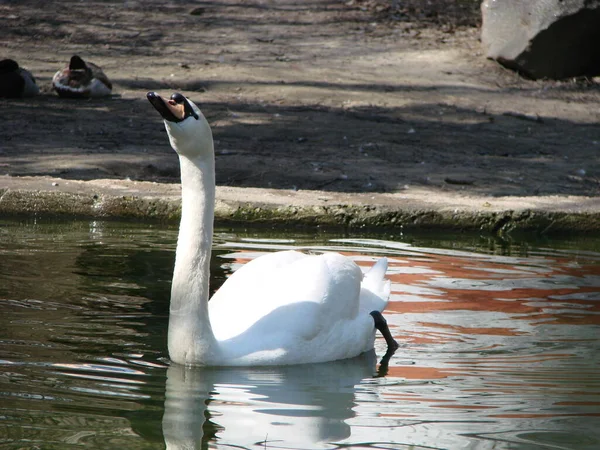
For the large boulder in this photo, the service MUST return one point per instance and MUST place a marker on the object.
(543, 38)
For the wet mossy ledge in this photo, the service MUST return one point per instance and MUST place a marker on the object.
(381, 217)
(389, 215)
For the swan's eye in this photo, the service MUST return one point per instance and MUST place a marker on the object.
(178, 98)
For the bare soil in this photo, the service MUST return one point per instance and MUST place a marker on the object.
(347, 96)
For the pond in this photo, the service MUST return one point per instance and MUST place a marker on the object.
(499, 346)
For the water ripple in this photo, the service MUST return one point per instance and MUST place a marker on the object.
(497, 350)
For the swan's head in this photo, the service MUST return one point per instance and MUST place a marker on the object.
(188, 129)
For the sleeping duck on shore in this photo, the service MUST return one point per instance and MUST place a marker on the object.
(81, 79)
(16, 82)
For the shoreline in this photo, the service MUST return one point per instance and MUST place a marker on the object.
(409, 209)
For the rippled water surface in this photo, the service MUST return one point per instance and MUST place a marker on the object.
(499, 347)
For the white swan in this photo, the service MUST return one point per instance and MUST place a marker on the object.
(282, 308)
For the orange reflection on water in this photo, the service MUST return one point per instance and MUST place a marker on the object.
(451, 283)
(420, 373)
(426, 338)
(469, 330)
(517, 359)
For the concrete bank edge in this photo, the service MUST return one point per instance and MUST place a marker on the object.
(30, 196)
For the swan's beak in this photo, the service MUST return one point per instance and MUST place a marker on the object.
(170, 110)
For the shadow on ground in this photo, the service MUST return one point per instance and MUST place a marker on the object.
(305, 147)
(329, 95)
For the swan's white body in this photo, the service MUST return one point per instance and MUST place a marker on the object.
(282, 308)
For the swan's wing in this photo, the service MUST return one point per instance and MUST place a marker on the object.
(289, 291)
(254, 272)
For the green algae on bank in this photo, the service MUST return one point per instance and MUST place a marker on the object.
(33, 196)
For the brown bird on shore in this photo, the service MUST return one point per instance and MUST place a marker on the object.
(81, 79)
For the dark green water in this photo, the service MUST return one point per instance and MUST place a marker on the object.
(500, 347)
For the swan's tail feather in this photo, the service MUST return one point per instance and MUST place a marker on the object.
(376, 273)
(375, 281)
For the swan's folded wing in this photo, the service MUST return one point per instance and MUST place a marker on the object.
(288, 291)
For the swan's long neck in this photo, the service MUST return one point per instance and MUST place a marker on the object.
(191, 339)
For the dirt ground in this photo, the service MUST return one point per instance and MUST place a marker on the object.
(347, 96)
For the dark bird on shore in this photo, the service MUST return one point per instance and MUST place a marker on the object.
(16, 82)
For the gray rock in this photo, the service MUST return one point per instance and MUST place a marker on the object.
(543, 38)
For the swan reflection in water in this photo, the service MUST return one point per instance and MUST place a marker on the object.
(299, 406)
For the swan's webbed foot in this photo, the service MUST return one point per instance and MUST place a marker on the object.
(382, 326)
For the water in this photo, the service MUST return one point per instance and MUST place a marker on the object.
(499, 347)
